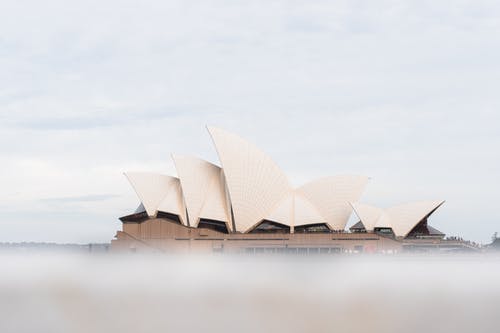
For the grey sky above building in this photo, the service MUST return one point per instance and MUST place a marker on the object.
(403, 92)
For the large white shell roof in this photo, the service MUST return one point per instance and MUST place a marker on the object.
(249, 188)
(255, 183)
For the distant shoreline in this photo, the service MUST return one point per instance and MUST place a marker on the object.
(68, 247)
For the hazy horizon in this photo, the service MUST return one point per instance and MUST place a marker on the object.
(75, 293)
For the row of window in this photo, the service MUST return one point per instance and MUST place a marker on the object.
(266, 226)
(293, 250)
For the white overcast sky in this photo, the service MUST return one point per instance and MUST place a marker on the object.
(406, 92)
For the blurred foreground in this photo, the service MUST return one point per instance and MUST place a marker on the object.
(132, 293)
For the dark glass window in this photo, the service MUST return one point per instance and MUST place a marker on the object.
(358, 227)
(215, 225)
(267, 226)
(423, 230)
(169, 216)
(384, 231)
(308, 228)
(137, 217)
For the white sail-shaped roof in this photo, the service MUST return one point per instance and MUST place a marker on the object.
(251, 187)
(384, 221)
(402, 218)
(283, 212)
(255, 183)
(306, 212)
(332, 195)
(405, 217)
(173, 202)
(295, 210)
(203, 188)
(151, 188)
(216, 206)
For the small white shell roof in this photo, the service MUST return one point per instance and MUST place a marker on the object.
(402, 218)
(295, 210)
(203, 188)
(332, 195)
(405, 217)
(255, 183)
(369, 215)
(216, 206)
(174, 201)
(151, 188)
(157, 192)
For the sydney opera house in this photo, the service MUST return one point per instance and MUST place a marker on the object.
(247, 205)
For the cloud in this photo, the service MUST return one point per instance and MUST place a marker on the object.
(83, 198)
(403, 92)
(96, 119)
